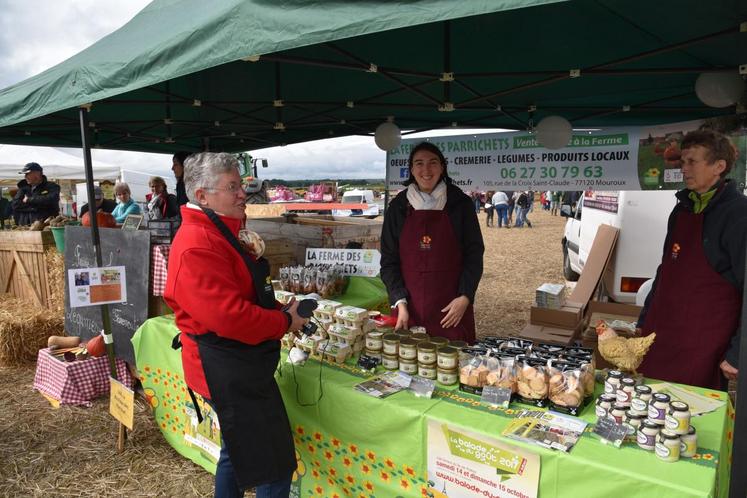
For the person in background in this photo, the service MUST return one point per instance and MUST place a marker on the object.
(489, 210)
(36, 198)
(161, 204)
(500, 201)
(103, 219)
(554, 202)
(432, 250)
(105, 205)
(510, 211)
(530, 198)
(5, 210)
(177, 166)
(126, 205)
(524, 206)
(476, 199)
(231, 327)
(695, 302)
(517, 209)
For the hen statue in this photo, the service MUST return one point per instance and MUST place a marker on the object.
(623, 352)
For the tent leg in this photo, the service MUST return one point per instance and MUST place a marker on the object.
(738, 481)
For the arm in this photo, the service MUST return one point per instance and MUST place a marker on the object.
(202, 279)
(172, 206)
(735, 247)
(472, 253)
(391, 274)
(17, 203)
(49, 200)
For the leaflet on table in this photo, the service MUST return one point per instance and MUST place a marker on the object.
(698, 403)
(463, 464)
(546, 429)
(93, 286)
(385, 384)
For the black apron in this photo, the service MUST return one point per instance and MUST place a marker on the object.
(240, 377)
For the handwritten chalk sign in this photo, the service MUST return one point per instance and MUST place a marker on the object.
(361, 262)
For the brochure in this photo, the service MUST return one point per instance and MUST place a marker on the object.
(385, 384)
(546, 429)
(698, 403)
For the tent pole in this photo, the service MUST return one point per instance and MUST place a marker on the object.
(386, 182)
(88, 164)
(738, 481)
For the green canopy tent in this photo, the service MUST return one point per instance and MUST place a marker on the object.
(242, 75)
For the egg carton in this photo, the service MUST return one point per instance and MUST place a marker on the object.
(283, 296)
(325, 323)
(288, 340)
(335, 352)
(323, 315)
(346, 334)
(328, 306)
(352, 313)
(309, 343)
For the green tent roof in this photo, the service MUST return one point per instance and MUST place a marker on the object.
(182, 76)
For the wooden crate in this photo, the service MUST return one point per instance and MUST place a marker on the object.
(303, 232)
(279, 252)
(23, 267)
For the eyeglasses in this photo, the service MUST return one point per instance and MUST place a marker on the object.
(232, 188)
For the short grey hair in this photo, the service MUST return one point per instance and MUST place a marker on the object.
(202, 170)
(121, 187)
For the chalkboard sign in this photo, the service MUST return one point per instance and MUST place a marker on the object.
(127, 248)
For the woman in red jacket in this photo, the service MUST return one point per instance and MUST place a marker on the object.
(231, 325)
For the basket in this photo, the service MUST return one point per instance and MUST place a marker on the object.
(59, 238)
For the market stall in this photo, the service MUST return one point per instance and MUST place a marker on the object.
(352, 444)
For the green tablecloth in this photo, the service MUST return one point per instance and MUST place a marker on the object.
(349, 444)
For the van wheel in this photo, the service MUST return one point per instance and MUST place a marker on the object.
(568, 272)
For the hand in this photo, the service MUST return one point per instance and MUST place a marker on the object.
(297, 321)
(638, 331)
(454, 312)
(729, 371)
(403, 316)
(25, 198)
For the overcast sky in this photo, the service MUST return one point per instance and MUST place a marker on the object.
(38, 34)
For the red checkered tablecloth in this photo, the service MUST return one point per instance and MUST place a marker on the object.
(76, 382)
(159, 263)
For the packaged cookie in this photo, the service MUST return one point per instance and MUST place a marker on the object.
(503, 374)
(564, 385)
(296, 279)
(285, 278)
(309, 280)
(531, 378)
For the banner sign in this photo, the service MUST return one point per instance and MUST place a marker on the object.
(462, 463)
(625, 158)
(363, 262)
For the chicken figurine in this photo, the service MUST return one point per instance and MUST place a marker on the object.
(626, 353)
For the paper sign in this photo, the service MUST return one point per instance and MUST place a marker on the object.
(122, 403)
(464, 464)
(496, 396)
(363, 262)
(610, 431)
(92, 286)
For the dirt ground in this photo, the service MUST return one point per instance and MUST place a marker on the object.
(72, 451)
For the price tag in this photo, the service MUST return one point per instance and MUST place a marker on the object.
(496, 396)
(422, 388)
(610, 431)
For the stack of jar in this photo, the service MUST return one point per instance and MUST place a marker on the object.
(654, 421)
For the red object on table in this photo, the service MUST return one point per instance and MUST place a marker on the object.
(385, 321)
(76, 382)
(159, 262)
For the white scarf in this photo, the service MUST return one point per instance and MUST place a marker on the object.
(436, 200)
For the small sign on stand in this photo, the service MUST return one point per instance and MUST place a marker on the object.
(122, 403)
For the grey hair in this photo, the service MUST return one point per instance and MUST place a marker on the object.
(121, 187)
(202, 170)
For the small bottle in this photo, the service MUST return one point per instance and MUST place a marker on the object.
(689, 443)
(678, 418)
(657, 408)
(632, 422)
(668, 446)
(646, 437)
(613, 381)
(618, 413)
(641, 397)
(625, 391)
(604, 404)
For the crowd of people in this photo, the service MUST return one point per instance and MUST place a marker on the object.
(38, 198)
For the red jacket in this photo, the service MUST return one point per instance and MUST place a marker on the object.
(210, 289)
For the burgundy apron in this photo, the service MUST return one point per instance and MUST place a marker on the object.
(431, 265)
(694, 312)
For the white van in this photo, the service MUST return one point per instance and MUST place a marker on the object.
(358, 197)
(641, 217)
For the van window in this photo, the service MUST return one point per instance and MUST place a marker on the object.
(353, 199)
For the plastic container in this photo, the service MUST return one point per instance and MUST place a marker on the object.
(59, 238)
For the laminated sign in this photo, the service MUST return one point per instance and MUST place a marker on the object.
(362, 262)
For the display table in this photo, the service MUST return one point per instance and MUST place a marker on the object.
(351, 444)
(76, 382)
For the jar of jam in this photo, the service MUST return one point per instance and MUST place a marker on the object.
(646, 436)
(447, 377)
(408, 349)
(668, 446)
(391, 344)
(618, 412)
(447, 358)
(641, 397)
(390, 361)
(408, 366)
(613, 381)
(658, 408)
(678, 418)
(625, 391)
(426, 353)
(689, 443)
(604, 404)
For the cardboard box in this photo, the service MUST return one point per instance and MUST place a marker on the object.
(568, 317)
(549, 335)
(599, 256)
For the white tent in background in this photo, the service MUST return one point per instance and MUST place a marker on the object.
(58, 164)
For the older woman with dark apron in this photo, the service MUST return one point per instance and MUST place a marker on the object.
(231, 325)
(431, 250)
